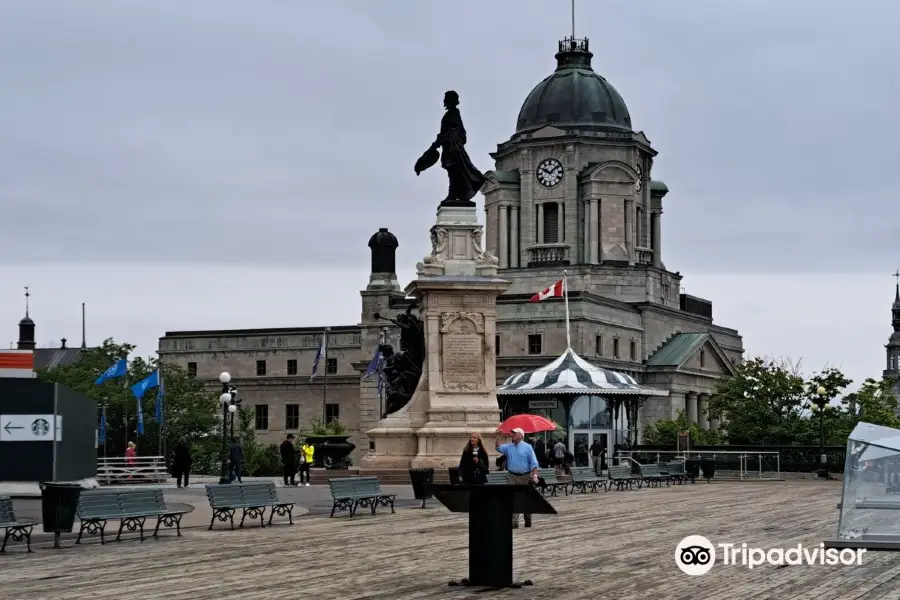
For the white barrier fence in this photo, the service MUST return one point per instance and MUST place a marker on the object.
(745, 465)
(122, 470)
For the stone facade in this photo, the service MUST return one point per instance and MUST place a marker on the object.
(575, 199)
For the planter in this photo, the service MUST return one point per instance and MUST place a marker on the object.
(331, 451)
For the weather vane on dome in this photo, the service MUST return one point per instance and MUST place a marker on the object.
(897, 276)
(27, 295)
(573, 19)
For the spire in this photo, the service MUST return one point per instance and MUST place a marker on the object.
(897, 289)
(26, 327)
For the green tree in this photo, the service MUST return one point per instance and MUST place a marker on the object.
(768, 401)
(191, 413)
(874, 403)
(665, 432)
(259, 459)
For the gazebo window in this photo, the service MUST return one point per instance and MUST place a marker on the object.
(590, 412)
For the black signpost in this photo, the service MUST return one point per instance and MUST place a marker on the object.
(490, 509)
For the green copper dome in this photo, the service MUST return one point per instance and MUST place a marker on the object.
(574, 95)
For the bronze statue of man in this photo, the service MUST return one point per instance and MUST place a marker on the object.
(465, 179)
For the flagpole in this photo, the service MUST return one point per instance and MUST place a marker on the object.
(105, 428)
(127, 432)
(566, 296)
(159, 441)
(325, 378)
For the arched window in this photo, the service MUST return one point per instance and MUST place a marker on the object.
(590, 412)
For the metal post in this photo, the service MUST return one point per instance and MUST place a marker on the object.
(822, 458)
(223, 477)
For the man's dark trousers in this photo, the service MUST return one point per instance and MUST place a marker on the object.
(289, 471)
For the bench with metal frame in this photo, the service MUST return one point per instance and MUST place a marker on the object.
(584, 479)
(620, 476)
(350, 493)
(130, 507)
(251, 498)
(15, 529)
(653, 475)
(548, 482)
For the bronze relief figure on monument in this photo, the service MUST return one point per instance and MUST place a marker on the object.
(402, 370)
(464, 178)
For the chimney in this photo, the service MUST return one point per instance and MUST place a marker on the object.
(63, 342)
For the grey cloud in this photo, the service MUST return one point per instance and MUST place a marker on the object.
(271, 132)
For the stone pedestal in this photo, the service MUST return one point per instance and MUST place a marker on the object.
(457, 291)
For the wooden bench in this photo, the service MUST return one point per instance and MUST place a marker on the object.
(496, 478)
(621, 477)
(584, 478)
(349, 493)
(131, 508)
(653, 475)
(548, 482)
(14, 528)
(252, 498)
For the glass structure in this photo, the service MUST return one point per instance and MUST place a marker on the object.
(870, 501)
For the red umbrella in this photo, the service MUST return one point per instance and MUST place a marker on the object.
(527, 423)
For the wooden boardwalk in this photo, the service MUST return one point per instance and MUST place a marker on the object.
(605, 545)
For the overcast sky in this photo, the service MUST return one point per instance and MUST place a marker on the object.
(220, 163)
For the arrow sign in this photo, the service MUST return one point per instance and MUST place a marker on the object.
(30, 428)
(9, 427)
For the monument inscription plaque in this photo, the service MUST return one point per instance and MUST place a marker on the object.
(462, 350)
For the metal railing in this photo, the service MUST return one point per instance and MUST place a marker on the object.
(748, 465)
(121, 470)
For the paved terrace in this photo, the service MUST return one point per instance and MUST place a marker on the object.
(605, 545)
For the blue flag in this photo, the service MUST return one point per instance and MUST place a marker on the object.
(373, 365)
(118, 369)
(101, 431)
(323, 351)
(160, 394)
(141, 387)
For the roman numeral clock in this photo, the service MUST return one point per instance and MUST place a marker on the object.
(549, 173)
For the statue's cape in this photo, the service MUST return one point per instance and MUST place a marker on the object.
(453, 150)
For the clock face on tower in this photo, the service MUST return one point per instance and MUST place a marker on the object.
(549, 172)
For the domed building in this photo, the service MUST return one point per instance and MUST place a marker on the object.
(572, 191)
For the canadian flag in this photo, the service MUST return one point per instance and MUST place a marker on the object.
(557, 290)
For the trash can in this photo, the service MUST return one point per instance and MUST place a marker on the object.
(421, 479)
(454, 475)
(59, 503)
(692, 467)
(708, 468)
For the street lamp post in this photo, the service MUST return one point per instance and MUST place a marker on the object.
(228, 406)
(821, 402)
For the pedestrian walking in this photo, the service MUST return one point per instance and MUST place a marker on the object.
(181, 463)
(521, 465)
(236, 458)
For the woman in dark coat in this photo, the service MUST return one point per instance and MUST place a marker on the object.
(474, 465)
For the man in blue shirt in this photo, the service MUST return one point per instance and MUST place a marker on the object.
(521, 465)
